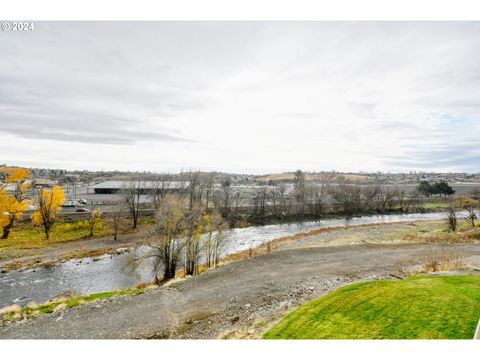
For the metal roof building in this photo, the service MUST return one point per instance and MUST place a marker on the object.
(113, 187)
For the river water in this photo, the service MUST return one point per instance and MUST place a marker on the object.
(111, 272)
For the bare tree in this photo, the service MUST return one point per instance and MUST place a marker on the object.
(284, 199)
(372, 198)
(384, 199)
(349, 196)
(404, 200)
(94, 218)
(131, 194)
(471, 216)
(209, 189)
(318, 193)
(194, 183)
(170, 228)
(198, 187)
(260, 200)
(116, 217)
(195, 226)
(274, 196)
(227, 202)
(223, 200)
(237, 200)
(417, 202)
(452, 219)
(300, 192)
(161, 185)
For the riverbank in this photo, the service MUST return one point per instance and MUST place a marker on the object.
(49, 255)
(118, 270)
(59, 252)
(26, 246)
(91, 273)
(238, 300)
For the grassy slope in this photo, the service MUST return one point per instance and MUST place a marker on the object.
(51, 306)
(459, 203)
(25, 237)
(436, 307)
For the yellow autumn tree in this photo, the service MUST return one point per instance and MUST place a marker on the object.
(13, 196)
(49, 203)
(216, 240)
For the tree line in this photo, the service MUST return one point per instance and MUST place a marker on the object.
(198, 191)
(277, 201)
(182, 234)
(441, 188)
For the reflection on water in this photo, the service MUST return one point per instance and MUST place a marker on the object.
(111, 272)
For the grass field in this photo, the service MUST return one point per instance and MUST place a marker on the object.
(432, 307)
(458, 203)
(437, 232)
(24, 236)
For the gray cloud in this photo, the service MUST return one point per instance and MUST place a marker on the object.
(85, 133)
(465, 155)
(388, 95)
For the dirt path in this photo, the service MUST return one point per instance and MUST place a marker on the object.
(236, 300)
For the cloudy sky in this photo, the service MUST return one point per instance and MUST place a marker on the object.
(242, 97)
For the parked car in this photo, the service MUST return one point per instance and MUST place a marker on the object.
(69, 203)
(75, 202)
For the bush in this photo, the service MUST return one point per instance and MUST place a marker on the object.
(452, 219)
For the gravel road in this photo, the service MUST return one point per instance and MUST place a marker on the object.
(236, 300)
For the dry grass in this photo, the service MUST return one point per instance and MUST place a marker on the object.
(440, 234)
(446, 258)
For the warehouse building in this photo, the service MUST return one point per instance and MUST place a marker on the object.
(143, 187)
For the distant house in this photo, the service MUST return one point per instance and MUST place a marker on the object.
(43, 183)
(143, 187)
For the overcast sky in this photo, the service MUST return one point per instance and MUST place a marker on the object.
(242, 97)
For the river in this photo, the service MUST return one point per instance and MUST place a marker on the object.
(111, 272)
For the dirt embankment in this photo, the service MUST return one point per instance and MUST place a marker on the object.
(92, 247)
(78, 249)
(239, 299)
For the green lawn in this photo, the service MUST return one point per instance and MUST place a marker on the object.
(459, 203)
(428, 307)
